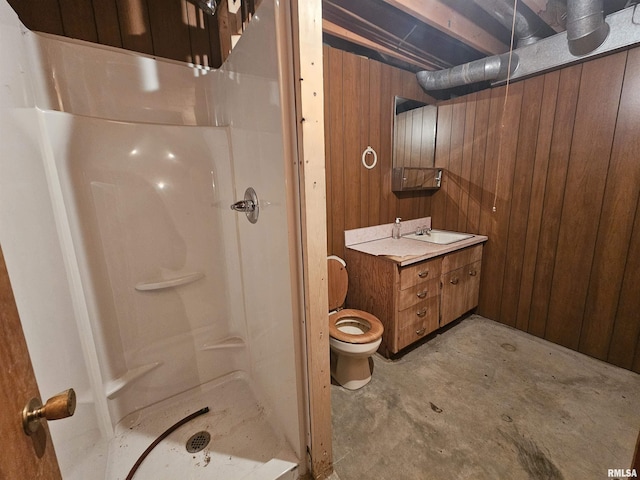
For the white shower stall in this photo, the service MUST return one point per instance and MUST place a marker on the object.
(136, 284)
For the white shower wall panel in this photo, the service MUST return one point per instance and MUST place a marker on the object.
(148, 207)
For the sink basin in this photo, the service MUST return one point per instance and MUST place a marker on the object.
(440, 237)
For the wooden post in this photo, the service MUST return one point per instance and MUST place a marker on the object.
(307, 49)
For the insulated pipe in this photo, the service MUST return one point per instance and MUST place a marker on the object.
(502, 11)
(586, 28)
(490, 68)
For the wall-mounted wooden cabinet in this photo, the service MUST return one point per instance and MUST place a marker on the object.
(414, 300)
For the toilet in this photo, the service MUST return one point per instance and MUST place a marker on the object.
(354, 335)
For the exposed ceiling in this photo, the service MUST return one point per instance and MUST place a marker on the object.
(434, 34)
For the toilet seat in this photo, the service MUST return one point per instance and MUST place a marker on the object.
(373, 334)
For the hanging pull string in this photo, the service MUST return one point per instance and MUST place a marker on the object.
(504, 106)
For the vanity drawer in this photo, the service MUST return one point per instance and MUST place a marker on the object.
(416, 294)
(453, 261)
(417, 321)
(420, 272)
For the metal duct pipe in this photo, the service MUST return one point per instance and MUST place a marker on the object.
(490, 68)
(586, 28)
(502, 11)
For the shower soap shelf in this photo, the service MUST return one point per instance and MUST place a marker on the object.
(172, 282)
(229, 342)
(114, 387)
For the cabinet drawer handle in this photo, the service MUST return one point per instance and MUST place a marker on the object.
(473, 273)
(454, 281)
(423, 274)
(422, 294)
(421, 331)
(421, 313)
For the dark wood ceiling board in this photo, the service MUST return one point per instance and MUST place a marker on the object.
(343, 39)
(134, 25)
(439, 15)
(40, 16)
(469, 9)
(385, 42)
(404, 29)
(380, 36)
(169, 29)
(78, 19)
(107, 24)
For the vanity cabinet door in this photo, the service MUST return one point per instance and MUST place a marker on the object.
(460, 290)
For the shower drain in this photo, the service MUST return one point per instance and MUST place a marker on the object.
(198, 441)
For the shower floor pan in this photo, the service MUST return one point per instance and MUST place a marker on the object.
(243, 444)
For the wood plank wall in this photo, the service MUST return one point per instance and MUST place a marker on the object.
(563, 257)
(174, 29)
(359, 95)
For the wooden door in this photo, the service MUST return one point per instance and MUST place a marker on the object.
(21, 456)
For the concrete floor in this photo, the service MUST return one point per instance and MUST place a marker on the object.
(484, 401)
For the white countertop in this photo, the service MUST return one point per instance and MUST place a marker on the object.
(404, 251)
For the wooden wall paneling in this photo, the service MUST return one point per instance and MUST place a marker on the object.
(616, 221)
(78, 19)
(467, 158)
(443, 146)
(199, 39)
(590, 153)
(365, 141)
(498, 183)
(399, 205)
(458, 117)
(480, 129)
(224, 29)
(624, 348)
(327, 146)
(215, 43)
(30, 14)
(351, 147)
(337, 201)
(107, 23)
(169, 29)
(376, 132)
(387, 212)
(567, 100)
(134, 25)
(536, 197)
(521, 197)
(359, 112)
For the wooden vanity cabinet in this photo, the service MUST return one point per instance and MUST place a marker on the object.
(414, 300)
(460, 283)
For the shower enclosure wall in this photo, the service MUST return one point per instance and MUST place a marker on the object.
(134, 280)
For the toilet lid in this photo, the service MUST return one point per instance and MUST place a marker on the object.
(374, 333)
(338, 282)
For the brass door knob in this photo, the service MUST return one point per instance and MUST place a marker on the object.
(59, 406)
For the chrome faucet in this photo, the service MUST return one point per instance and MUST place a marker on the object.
(424, 230)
